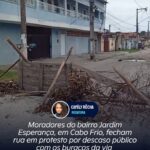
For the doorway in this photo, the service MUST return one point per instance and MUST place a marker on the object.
(63, 44)
(39, 43)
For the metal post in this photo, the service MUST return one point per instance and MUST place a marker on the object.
(92, 37)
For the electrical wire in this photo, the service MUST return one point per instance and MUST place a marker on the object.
(120, 20)
(144, 19)
(137, 4)
(118, 25)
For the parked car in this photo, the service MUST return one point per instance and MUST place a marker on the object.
(140, 45)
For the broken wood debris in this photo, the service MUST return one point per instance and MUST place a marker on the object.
(9, 87)
(32, 93)
(16, 49)
(56, 76)
(136, 91)
(82, 87)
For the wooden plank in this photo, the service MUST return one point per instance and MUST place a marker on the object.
(28, 87)
(56, 77)
(51, 69)
(41, 76)
(31, 82)
(28, 76)
(31, 93)
(93, 74)
(16, 49)
(20, 74)
(135, 90)
(58, 83)
(51, 77)
(7, 70)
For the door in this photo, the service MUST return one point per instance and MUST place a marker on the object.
(39, 46)
(106, 45)
(63, 44)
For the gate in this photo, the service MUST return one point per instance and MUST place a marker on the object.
(39, 46)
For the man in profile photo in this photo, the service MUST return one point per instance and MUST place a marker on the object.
(60, 110)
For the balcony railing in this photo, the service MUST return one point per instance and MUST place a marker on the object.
(51, 8)
(29, 3)
(60, 10)
(11, 1)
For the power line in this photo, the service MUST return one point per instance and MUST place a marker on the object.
(120, 20)
(144, 19)
(118, 25)
(137, 4)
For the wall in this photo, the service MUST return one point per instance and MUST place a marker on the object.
(8, 54)
(42, 79)
(130, 43)
(119, 43)
(102, 44)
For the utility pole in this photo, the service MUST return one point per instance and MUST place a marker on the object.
(137, 18)
(23, 40)
(148, 35)
(137, 22)
(23, 27)
(109, 28)
(92, 35)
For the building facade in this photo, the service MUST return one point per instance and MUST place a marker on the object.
(53, 26)
(119, 41)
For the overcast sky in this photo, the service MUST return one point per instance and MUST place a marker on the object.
(121, 14)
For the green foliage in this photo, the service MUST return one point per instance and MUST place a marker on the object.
(131, 50)
(11, 75)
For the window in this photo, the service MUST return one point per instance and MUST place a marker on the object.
(96, 14)
(68, 6)
(49, 1)
(84, 12)
(102, 15)
(31, 3)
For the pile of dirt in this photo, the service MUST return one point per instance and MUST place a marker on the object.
(8, 87)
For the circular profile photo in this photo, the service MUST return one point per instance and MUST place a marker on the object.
(60, 109)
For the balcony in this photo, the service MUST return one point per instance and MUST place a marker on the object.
(74, 14)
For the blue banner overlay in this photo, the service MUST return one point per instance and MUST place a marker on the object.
(83, 109)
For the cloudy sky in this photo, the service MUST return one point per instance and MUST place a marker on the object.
(121, 15)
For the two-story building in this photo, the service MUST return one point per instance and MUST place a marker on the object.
(53, 26)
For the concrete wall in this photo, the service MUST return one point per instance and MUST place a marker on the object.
(129, 44)
(42, 79)
(7, 54)
(102, 44)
